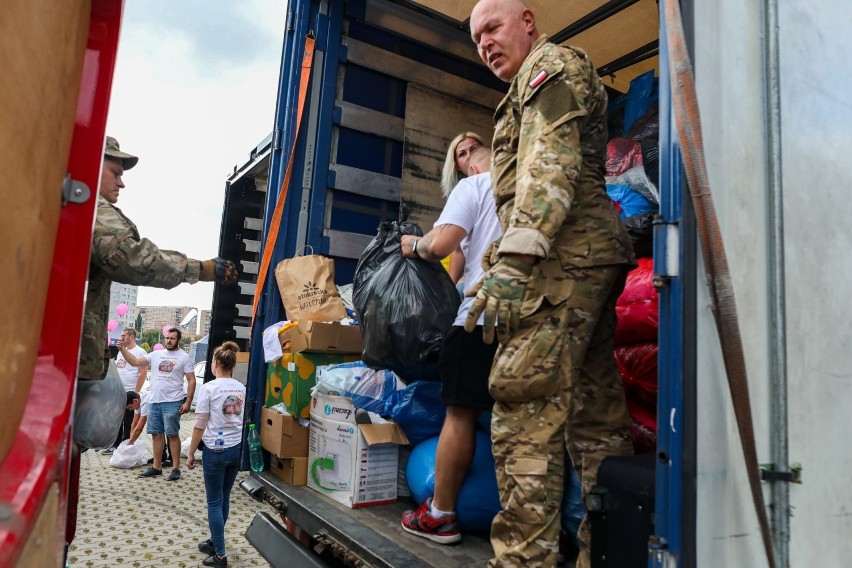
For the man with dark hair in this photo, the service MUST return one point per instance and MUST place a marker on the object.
(133, 402)
(166, 397)
(120, 254)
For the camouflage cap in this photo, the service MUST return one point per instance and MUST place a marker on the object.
(112, 150)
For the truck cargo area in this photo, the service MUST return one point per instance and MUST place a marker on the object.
(392, 83)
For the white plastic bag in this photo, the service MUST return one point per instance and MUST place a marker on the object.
(126, 456)
(99, 410)
(184, 449)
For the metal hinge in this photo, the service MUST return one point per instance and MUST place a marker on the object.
(74, 191)
(769, 473)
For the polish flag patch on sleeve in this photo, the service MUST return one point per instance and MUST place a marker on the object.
(538, 79)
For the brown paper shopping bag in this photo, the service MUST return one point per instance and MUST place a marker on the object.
(307, 288)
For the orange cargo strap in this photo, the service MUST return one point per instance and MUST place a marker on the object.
(718, 279)
(275, 224)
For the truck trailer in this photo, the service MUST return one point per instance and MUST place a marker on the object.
(392, 82)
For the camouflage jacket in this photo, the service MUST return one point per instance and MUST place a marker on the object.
(548, 169)
(119, 254)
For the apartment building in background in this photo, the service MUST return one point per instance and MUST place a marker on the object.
(123, 294)
(156, 317)
(204, 322)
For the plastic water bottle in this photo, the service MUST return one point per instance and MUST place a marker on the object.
(219, 444)
(255, 453)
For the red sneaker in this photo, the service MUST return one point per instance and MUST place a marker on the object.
(443, 530)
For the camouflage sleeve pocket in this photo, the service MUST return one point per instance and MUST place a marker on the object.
(527, 366)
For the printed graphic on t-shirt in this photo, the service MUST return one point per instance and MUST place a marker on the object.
(233, 405)
(120, 363)
(167, 365)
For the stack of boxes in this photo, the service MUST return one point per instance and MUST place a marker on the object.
(289, 381)
(354, 464)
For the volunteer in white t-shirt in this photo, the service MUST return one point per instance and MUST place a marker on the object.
(133, 378)
(218, 412)
(468, 226)
(167, 399)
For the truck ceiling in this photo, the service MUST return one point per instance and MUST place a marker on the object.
(621, 36)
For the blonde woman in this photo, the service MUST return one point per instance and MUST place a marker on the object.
(456, 166)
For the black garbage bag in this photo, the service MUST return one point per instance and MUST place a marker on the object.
(640, 228)
(405, 305)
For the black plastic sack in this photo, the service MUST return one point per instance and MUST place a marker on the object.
(640, 228)
(405, 305)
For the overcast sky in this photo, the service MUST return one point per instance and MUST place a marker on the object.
(194, 91)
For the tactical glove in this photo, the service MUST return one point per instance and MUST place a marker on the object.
(219, 270)
(499, 295)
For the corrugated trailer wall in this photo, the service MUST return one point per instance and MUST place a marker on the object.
(816, 116)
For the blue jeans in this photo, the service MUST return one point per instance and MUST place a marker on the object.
(220, 471)
(164, 417)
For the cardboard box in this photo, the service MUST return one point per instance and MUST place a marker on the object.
(321, 337)
(290, 379)
(292, 470)
(282, 435)
(354, 464)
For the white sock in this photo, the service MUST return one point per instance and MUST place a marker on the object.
(437, 513)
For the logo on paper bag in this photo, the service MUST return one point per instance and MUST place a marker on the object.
(312, 296)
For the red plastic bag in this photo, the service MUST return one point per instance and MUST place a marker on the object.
(637, 364)
(621, 155)
(644, 439)
(638, 306)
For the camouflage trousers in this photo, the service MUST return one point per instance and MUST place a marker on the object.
(563, 355)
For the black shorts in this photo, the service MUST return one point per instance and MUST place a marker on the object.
(465, 364)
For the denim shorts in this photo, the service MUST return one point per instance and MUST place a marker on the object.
(164, 417)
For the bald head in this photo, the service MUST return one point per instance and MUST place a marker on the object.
(480, 161)
(504, 32)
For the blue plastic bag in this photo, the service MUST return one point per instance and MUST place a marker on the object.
(631, 202)
(478, 501)
(573, 509)
(418, 409)
(368, 388)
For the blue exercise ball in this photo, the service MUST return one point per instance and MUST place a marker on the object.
(478, 501)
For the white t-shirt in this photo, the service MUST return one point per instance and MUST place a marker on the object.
(167, 371)
(128, 373)
(144, 399)
(471, 207)
(224, 401)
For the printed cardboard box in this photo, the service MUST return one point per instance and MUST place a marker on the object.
(290, 379)
(321, 337)
(282, 435)
(354, 464)
(292, 470)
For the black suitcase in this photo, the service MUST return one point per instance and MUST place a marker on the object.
(621, 512)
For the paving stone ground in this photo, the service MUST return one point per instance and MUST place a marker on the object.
(125, 521)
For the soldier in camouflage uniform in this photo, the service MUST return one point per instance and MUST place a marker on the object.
(119, 254)
(551, 284)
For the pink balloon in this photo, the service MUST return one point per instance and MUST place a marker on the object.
(166, 329)
(158, 346)
(112, 325)
(121, 310)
